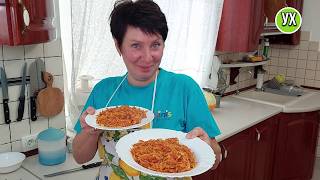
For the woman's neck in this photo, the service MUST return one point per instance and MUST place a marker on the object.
(142, 83)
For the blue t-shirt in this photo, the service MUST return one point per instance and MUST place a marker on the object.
(179, 101)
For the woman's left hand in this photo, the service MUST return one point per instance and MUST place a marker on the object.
(200, 133)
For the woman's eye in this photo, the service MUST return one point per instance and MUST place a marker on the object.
(155, 45)
(135, 45)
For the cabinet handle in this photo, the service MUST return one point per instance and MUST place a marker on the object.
(26, 16)
(258, 134)
(225, 154)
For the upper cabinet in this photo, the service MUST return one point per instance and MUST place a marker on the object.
(25, 22)
(241, 25)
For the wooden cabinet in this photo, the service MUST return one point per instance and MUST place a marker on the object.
(26, 22)
(279, 148)
(240, 26)
(263, 149)
(296, 145)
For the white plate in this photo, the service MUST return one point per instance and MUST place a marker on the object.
(204, 155)
(10, 161)
(91, 119)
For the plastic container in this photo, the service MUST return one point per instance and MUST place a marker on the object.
(52, 147)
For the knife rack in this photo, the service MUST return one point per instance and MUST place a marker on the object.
(16, 81)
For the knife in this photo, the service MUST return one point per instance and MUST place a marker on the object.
(22, 93)
(33, 90)
(83, 167)
(5, 96)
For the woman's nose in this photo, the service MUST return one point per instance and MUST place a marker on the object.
(147, 55)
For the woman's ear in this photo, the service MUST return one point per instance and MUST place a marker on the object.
(117, 46)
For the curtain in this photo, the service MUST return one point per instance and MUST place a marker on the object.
(189, 48)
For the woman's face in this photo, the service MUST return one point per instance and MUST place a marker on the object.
(142, 55)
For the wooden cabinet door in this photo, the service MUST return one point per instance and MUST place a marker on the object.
(236, 153)
(296, 145)
(240, 26)
(263, 149)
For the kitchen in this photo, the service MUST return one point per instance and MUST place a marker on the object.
(297, 62)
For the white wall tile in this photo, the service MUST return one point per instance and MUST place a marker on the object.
(39, 125)
(16, 146)
(58, 121)
(4, 134)
(317, 84)
(310, 74)
(283, 62)
(282, 70)
(284, 53)
(302, 64)
(317, 77)
(303, 54)
(58, 82)
(313, 46)
(33, 51)
(312, 55)
(1, 114)
(275, 52)
(1, 57)
(273, 70)
(305, 36)
(309, 82)
(13, 68)
(300, 73)
(52, 48)
(54, 65)
(13, 52)
(291, 72)
(13, 106)
(274, 61)
(312, 65)
(318, 65)
(304, 45)
(318, 55)
(292, 63)
(5, 147)
(299, 81)
(19, 129)
(293, 53)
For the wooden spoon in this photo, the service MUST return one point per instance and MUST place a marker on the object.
(50, 100)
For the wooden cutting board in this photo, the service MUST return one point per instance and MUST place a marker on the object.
(50, 100)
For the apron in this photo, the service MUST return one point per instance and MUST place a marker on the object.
(112, 167)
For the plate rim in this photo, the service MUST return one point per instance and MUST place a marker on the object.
(164, 174)
(121, 128)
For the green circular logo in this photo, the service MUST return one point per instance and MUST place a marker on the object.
(288, 20)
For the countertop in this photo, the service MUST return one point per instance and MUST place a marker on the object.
(236, 113)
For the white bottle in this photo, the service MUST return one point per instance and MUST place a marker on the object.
(260, 79)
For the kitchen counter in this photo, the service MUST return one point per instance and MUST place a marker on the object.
(236, 113)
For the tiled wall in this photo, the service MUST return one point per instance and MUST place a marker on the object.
(12, 59)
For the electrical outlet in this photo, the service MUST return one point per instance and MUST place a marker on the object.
(29, 142)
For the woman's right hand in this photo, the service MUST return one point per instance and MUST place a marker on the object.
(85, 126)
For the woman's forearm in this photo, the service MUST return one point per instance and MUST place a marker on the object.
(84, 146)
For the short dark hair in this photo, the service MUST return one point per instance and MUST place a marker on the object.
(143, 14)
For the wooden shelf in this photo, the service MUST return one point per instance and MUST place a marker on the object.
(243, 64)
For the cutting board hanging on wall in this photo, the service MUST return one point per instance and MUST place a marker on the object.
(50, 100)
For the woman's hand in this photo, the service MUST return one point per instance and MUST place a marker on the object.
(85, 127)
(200, 133)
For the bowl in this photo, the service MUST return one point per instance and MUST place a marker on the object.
(10, 161)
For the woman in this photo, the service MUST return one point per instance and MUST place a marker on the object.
(139, 30)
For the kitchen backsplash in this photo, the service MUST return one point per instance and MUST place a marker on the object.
(300, 63)
(12, 60)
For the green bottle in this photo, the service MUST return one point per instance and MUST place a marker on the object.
(266, 47)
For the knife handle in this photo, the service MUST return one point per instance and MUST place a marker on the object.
(6, 111)
(33, 107)
(92, 165)
(21, 108)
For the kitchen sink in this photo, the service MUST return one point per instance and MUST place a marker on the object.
(269, 97)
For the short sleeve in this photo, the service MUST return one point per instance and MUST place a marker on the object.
(198, 113)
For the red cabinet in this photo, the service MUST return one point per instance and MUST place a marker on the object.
(263, 149)
(296, 145)
(26, 22)
(241, 25)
